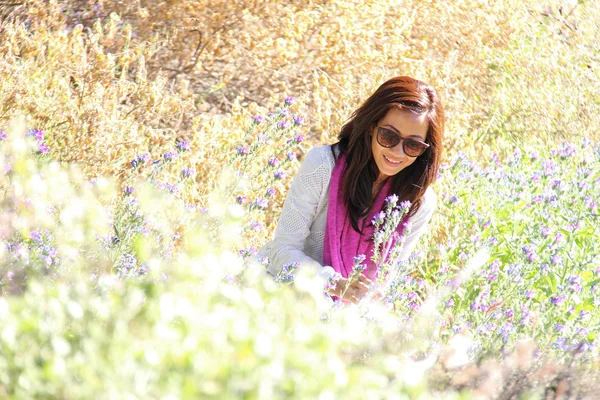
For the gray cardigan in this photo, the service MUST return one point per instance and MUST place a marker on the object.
(300, 232)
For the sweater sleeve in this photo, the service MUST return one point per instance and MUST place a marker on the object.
(420, 223)
(298, 214)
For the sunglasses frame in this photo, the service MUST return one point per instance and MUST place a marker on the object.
(402, 140)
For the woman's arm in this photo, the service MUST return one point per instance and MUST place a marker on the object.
(298, 214)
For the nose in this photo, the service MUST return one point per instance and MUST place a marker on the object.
(399, 148)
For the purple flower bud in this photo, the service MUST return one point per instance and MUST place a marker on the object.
(134, 163)
(258, 119)
(405, 205)
(270, 192)
(557, 300)
(378, 218)
(291, 156)
(510, 313)
(241, 199)
(273, 162)
(143, 158)
(43, 148)
(242, 150)
(298, 120)
(184, 146)
(450, 303)
(128, 190)
(393, 199)
(187, 172)
(169, 156)
(284, 124)
(359, 259)
(279, 174)
(36, 133)
(2, 135)
(556, 259)
(262, 203)
(298, 139)
(290, 100)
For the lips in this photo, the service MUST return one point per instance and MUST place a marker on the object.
(390, 162)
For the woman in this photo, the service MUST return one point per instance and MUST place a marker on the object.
(390, 145)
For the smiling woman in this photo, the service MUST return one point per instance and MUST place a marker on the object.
(391, 145)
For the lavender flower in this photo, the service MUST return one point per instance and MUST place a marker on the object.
(393, 199)
(273, 162)
(284, 124)
(298, 139)
(258, 119)
(241, 199)
(188, 172)
(128, 190)
(291, 156)
(2, 135)
(270, 192)
(36, 133)
(183, 146)
(279, 174)
(298, 120)
(289, 100)
(261, 203)
(242, 150)
(169, 156)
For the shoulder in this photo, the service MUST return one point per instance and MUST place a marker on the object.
(319, 156)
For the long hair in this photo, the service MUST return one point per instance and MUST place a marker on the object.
(404, 93)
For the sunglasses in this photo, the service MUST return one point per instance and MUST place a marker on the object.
(388, 138)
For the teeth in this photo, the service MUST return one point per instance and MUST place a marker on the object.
(393, 162)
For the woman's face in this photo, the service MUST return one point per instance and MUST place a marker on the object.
(408, 125)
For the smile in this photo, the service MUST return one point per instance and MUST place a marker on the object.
(393, 163)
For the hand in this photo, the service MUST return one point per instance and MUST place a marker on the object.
(355, 290)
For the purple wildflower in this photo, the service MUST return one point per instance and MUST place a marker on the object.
(290, 100)
(36, 133)
(169, 156)
(556, 259)
(143, 158)
(405, 205)
(241, 199)
(43, 148)
(378, 218)
(258, 119)
(262, 203)
(298, 120)
(279, 174)
(273, 162)
(359, 259)
(558, 300)
(291, 156)
(128, 190)
(284, 124)
(298, 139)
(270, 192)
(187, 172)
(243, 150)
(393, 199)
(184, 146)
(2, 135)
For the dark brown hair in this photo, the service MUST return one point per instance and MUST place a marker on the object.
(409, 184)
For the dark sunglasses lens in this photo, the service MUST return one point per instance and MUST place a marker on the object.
(413, 148)
(387, 138)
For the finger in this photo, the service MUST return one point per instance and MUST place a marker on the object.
(363, 278)
(360, 286)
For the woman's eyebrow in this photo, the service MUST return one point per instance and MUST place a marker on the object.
(400, 133)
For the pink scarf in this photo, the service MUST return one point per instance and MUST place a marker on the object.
(342, 243)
